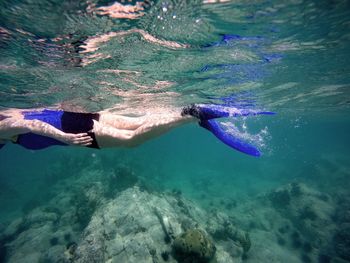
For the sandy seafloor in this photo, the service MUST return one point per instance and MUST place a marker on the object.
(130, 205)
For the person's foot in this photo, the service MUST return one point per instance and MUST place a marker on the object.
(192, 110)
(204, 112)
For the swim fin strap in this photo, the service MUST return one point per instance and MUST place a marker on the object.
(228, 139)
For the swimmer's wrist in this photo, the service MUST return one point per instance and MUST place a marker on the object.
(63, 137)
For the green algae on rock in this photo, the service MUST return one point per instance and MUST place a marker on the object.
(194, 246)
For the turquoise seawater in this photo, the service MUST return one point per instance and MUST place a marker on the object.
(289, 57)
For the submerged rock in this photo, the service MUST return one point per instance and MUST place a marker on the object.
(227, 231)
(139, 226)
(293, 223)
(2, 251)
(193, 246)
(88, 221)
(342, 241)
(280, 198)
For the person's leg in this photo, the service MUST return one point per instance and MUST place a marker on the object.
(108, 136)
(157, 126)
(120, 122)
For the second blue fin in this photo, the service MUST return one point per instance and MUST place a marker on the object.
(228, 139)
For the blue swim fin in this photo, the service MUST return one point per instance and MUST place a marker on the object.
(228, 139)
(212, 111)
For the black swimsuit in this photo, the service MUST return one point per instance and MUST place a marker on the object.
(75, 122)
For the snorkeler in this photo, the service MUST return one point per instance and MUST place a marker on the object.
(41, 128)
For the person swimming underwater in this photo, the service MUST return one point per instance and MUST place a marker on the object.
(40, 128)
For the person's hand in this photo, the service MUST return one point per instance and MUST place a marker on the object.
(82, 139)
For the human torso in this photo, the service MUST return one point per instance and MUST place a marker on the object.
(29, 140)
(68, 122)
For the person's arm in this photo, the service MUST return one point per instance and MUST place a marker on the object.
(12, 127)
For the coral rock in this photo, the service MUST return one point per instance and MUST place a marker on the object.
(194, 246)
